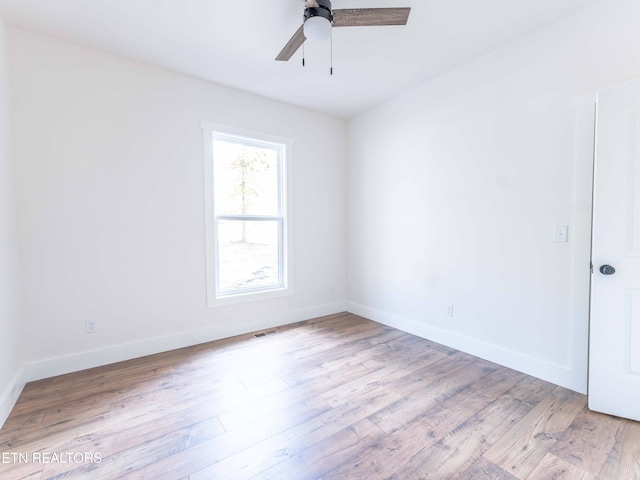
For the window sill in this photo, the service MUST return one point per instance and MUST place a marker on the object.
(248, 297)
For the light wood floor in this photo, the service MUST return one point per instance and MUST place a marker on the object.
(338, 397)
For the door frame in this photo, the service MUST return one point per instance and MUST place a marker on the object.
(581, 236)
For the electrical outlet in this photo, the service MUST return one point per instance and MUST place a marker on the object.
(90, 326)
(448, 311)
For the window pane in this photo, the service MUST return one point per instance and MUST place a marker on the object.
(248, 254)
(245, 179)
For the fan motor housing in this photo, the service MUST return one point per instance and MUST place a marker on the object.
(322, 10)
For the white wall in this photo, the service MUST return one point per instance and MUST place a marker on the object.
(454, 189)
(111, 214)
(10, 347)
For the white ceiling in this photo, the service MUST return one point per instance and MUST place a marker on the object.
(234, 42)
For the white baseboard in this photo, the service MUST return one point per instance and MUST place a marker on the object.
(556, 374)
(117, 353)
(9, 397)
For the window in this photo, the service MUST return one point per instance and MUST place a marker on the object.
(247, 228)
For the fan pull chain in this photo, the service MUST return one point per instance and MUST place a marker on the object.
(331, 67)
(303, 54)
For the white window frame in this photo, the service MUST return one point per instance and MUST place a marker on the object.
(210, 131)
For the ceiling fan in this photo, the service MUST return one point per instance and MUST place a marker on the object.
(319, 19)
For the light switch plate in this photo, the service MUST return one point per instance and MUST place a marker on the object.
(561, 233)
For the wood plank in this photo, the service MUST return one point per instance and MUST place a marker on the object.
(173, 395)
(215, 450)
(46, 436)
(624, 459)
(519, 451)
(75, 386)
(387, 457)
(486, 389)
(352, 354)
(248, 412)
(280, 447)
(554, 468)
(112, 442)
(18, 470)
(428, 374)
(588, 440)
(25, 420)
(537, 386)
(458, 449)
(385, 375)
(417, 403)
(483, 469)
(139, 453)
(423, 431)
(343, 447)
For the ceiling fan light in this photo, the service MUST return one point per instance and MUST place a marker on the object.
(317, 28)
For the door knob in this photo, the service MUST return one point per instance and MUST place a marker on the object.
(607, 270)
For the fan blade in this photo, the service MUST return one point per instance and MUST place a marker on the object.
(292, 46)
(365, 17)
(311, 3)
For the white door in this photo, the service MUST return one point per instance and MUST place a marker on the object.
(614, 346)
